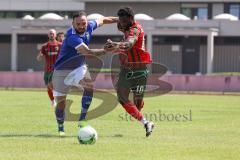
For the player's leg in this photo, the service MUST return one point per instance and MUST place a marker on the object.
(138, 94)
(60, 90)
(138, 90)
(123, 89)
(133, 110)
(48, 83)
(60, 114)
(123, 98)
(138, 100)
(87, 96)
(50, 93)
(80, 77)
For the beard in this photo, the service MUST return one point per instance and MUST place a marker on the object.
(129, 24)
(80, 32)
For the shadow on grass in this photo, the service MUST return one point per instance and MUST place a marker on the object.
(34, 136)
(49, 136)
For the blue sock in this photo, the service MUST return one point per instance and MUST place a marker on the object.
(60, 118)
(86, 101)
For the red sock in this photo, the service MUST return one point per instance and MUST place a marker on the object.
(50, 93)
(133, 111)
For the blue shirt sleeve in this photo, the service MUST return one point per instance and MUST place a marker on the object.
(92, 25)
(74, 41)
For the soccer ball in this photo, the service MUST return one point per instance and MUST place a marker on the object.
(87, 135)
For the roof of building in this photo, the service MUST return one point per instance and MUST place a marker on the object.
(51, 16)
(226, 16)
(28, 17)
(94, 16)
(177, 16)
(142, 16)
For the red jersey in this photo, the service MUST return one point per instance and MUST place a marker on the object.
(50, 51)
(138, 53)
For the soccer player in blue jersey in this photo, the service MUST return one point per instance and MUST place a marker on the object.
(70, 68)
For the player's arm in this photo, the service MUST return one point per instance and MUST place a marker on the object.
(106, 20)
(83, 49)
(39, 56)
(77, 43)
(126, 44)
(41, 53)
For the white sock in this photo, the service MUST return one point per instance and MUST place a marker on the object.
(144, 121)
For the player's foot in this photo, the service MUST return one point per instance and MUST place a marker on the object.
(149, 127)
(61, 130)
(62, 134)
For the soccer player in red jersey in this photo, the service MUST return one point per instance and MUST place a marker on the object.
(133, 71)
(49, 51)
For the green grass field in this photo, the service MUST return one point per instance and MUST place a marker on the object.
(28, 130)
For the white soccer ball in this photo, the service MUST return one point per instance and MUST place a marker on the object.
(87, 135)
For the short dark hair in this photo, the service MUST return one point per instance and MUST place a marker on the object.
(79, 14)
(125, 11)
(59, 33)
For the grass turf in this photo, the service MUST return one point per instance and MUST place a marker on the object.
(210, 132)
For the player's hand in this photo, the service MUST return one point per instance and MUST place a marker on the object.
(110, 46)
(125, 46)
(39, 57)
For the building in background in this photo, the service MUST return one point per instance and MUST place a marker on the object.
(188, 37)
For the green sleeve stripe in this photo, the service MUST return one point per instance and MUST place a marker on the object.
(132, 54)
(135, 34)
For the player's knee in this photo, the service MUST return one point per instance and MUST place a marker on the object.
(140, 105)
(60, 101)
(87, 85)
(50, 85)
(122, 95)
(88, 92)
(61, 105)
(121, 99)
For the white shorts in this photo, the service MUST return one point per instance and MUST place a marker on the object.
(63, 80)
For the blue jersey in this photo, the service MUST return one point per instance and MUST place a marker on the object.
(68, 58)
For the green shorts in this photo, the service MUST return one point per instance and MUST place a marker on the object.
(48, 77)
(133, 79)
